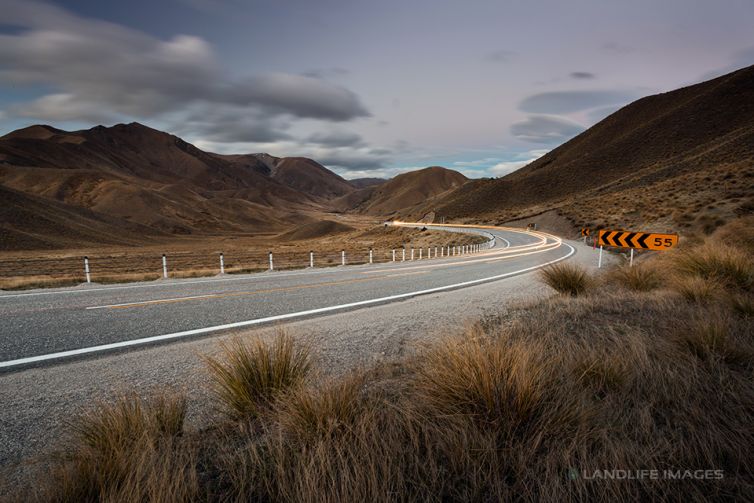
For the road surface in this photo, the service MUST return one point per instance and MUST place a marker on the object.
(47, 326)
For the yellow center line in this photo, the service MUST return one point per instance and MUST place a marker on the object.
(257, 292)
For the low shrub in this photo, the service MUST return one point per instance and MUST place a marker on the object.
(566, 278)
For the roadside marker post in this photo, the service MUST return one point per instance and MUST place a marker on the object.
(272, 268)
(393, 254)
(435, 252)
(421, 250)
(442, 252)
(599, 261)
(311, 259)
(412, 253)
(222, 263)
(343, 257)
(370, 256)
(164, 267)
(86, 270)
(403, 254)
(631, 260)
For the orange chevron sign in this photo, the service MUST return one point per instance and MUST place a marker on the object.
(643, 240)
(585, 231)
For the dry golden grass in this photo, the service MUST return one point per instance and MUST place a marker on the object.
(249, 377)
(128, 450)
(641, 277)
(40, 281)
(566, 278)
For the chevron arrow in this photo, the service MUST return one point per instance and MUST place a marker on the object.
(642, 241)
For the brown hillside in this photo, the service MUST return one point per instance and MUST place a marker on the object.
(310, 177)
(411, 189)
(315, 230)
(681, 159)
(130, 174)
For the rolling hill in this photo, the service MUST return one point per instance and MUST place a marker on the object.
(677, 160)
(405, 193)
(133, 176)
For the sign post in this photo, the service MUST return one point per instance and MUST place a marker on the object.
(635, 240)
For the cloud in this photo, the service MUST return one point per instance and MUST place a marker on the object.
(500, 56)
(583, 75)
(336, 139)
(99, 69)
(564, 102)
(546, 129)
(227, 124)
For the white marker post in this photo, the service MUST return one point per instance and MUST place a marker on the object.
(442, 252)
(370, 256)
(393, 254)
(222, 263)
(599, 261)
(272, 266)
(164, 267)
(435, 252)
(421, 250)
(311, 259)
(86, 270)
(403, 254)
(412, 253)
(631, 260)
(343, 257)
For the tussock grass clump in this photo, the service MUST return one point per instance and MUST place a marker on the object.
(325, 409)
(698, 290)
(248, 377)
(489, 381)
(128, 450)
(730, 266)
(566, 278)
(640, 278)
(714, 335)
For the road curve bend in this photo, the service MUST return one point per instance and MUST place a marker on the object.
(45, 326)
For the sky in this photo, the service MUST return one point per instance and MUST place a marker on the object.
(367, 88)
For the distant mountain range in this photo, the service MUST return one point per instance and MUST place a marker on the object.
(681, 160)
(129, 183)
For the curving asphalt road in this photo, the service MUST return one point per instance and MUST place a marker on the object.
(51, 325)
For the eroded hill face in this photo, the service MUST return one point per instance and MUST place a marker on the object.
(677, 160)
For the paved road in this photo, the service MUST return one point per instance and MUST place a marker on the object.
(47, 326)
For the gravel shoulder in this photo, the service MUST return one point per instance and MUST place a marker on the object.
(37, 402)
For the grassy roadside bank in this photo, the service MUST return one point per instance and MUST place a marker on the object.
(643, 368)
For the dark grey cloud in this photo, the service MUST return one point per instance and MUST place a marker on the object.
(545, 129)
(564, 102)
(228, 124)
(336, 139)
(501, 56)
(351, 160)
(298, 95)
(96, 66)
(327, 73)
(583, 75)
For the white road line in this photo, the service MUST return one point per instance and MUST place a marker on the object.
(259, 321)
(154, 301)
